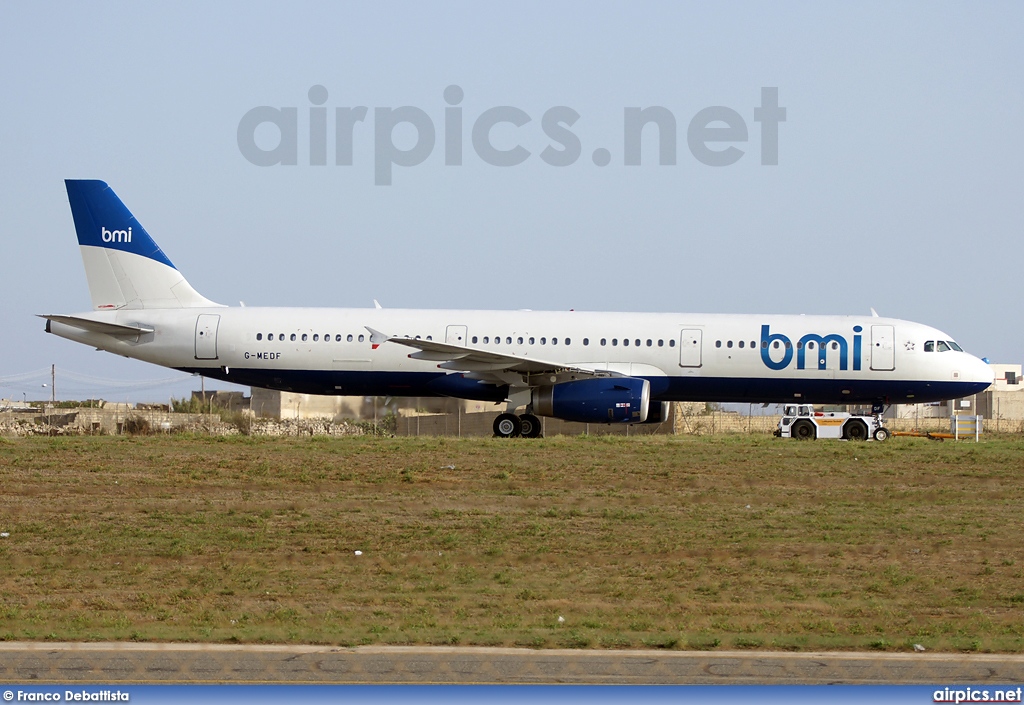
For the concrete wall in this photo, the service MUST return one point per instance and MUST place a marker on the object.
(1003, 410)
(287, 405)
(107, 421)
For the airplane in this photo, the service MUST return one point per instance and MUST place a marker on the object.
(615, 368)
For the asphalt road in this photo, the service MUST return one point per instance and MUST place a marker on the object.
(31, 662)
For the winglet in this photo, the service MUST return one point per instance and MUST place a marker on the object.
(376, 304)
(874, 313)
(376, 337)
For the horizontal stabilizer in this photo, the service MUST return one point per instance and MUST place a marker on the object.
(97, 326)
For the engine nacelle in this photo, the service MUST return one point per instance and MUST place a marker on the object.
(600, 400)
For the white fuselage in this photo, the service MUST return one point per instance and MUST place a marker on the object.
(698, 357)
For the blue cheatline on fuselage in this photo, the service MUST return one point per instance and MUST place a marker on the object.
(724, 389)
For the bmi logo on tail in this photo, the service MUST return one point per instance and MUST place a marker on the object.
(116, 235)
(836, 342)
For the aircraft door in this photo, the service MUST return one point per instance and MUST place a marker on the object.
(206, 336)
(883, 356)
(456, 335)
(689, 347)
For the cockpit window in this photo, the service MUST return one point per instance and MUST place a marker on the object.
(929, 346)
(955, 346)
(940, 346)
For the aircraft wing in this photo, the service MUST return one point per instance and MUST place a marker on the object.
(487, 365)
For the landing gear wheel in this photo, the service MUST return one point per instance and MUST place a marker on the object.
(530, 426)
(882, 434)
(855, 430)
(804, 430)
(507, 426)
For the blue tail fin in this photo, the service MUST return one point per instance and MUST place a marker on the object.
(124, 266)
(102, 220)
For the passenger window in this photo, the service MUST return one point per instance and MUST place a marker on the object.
(487, 339)
(775, 345)
(788, 345)
(741, 343)
(316, 337)
(929, 346)
(361, 337)
(304, 337)
(520, 340)
(835, 345)
(543, 341)
(799, 344)
(810, 345)
(753, 344)
(637, 342)
(661, 343)
(586, 341)
(604, 341)
(349, 337)
(293, 336)
(729, 344)
(508, 340)
(554, 341)
(532, 340)
(259, 336)
(337, 338)
(474, 340)
(672, 343)
(650, 342)
(625, 342)
(718, 343)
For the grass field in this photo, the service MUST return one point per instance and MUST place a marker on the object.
(673, 542)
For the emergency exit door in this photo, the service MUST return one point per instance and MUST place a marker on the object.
(883, 356)
(456, 335)
(206, 336)
(689, 347)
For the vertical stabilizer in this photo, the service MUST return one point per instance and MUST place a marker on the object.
(124, 266)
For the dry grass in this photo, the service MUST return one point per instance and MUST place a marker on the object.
(678, 542)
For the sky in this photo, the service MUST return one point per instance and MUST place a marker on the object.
(897, 185)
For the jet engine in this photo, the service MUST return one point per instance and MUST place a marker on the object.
(600, 400)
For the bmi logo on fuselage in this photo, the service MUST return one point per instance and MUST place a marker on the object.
(821, 345)
(116, 235)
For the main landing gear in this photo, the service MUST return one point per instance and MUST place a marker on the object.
(511, 426)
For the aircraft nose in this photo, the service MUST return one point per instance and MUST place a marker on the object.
(981, 372)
